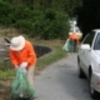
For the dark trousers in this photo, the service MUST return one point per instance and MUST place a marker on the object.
(73, 44)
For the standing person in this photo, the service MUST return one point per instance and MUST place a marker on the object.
(74, 41)
(22, 55)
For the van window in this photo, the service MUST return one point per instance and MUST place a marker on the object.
(97, 42)
(89, 38)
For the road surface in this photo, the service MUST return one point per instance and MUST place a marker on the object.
(60, 81)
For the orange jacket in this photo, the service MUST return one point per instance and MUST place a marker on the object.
(74, 36)
(27, 54)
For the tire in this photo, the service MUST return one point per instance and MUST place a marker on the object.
(93, 92)
(80, 72)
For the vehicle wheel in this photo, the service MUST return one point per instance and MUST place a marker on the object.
(80, 72)
(93, 92)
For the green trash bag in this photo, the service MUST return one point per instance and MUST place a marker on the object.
(20, 88)
(66, 46)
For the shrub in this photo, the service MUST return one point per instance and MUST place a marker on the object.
(55, 25)
(5, 13)
(49, 24)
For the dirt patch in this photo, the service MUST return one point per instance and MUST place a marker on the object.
(8, 32)
(4, 94)
(5, 89)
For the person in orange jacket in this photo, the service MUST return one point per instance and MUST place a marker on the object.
(22, 55)
(74, 40)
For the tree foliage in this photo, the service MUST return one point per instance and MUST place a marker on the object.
(47, 19)
(62, 5)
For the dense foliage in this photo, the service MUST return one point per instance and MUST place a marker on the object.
(47, 19)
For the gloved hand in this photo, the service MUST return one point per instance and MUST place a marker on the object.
(23, 65)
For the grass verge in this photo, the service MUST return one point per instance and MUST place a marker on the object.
(56, 54)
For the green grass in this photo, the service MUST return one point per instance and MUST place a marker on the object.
(6, 74)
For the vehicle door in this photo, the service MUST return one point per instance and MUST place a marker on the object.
(85, 54)
(96, 53)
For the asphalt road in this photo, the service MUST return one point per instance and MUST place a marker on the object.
(60, 81)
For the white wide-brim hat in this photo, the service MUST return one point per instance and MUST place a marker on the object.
(17, 43)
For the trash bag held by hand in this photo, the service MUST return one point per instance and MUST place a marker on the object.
(66, 46)
(21, 88)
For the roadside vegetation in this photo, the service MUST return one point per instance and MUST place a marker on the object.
(44, 22)
(47, 19)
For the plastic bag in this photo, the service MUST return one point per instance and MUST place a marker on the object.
(20, 87)
(66, 46)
